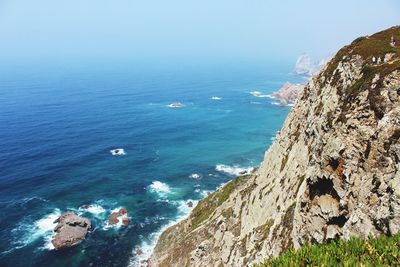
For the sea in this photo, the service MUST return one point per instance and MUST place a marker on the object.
(60, 124)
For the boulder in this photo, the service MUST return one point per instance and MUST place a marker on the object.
(70, 230)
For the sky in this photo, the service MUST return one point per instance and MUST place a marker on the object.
(49, 30)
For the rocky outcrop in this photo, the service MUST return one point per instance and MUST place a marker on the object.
(288, 93)
(119, 216)
(70, 230)
(332, 172)
(304, 65)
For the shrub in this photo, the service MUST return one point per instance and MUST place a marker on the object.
(384, 251)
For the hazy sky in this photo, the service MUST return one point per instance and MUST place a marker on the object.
(33, 30)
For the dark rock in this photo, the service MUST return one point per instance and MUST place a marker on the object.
(70, 230)
(190, 204)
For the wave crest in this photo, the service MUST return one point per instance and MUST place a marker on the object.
(234, 170)
(27, 232)
(143, 252)
(161, 189)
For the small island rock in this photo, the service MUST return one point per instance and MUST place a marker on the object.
(70, 230)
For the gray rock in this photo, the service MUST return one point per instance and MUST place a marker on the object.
(70, 230)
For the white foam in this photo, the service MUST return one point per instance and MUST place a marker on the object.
(176, 105)
(117, 152)
(45, 227)
(195, 176)
(147, 246)
(259, 94)
(27, 232)
(204, 193)
(120, 220)
(233, 170)
(282, 104)
(216, 98)
(184, 209)
(255, 93)
(270, 96)
(159, 187)
(95, 209)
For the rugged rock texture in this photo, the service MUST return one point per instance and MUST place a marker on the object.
(304, 65)
(307, 67)
(120, 216)
(333, 171)
(70, 230)
(288, 93)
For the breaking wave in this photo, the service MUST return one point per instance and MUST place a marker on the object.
(27, 231)
(234, 170)
(143, 252)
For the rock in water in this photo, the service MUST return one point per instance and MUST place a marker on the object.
(70, 230)
(119, 216)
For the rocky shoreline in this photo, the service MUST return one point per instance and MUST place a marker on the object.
(336, 159)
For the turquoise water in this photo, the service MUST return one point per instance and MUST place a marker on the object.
(58, 125)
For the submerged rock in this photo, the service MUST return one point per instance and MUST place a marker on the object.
(70, 230)
(117, 152)
(119, 216)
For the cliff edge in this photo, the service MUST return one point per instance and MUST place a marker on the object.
(333, 171)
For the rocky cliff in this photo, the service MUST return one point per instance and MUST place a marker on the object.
(333, 171)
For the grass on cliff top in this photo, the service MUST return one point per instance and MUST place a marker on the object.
(376, 45)
(207, 206)
(384, 251)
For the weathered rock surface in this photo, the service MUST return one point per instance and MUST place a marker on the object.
(332, 172)
(119, 216)
(288, 93)
(70, 230)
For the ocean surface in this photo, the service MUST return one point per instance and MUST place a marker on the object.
(58, 125)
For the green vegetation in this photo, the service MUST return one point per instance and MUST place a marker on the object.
(376, 45)
(207, 206)
(263, 232)
(368, 48)
(384, 251)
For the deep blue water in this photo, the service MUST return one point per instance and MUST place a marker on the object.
(58, 125)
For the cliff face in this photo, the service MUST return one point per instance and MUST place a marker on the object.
(333, 171)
